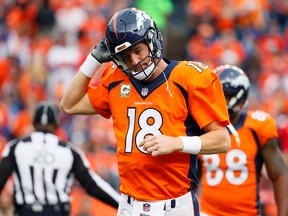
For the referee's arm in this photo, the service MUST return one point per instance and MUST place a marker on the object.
(91, 182)
(7, 162)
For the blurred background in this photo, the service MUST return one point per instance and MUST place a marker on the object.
(43, 43)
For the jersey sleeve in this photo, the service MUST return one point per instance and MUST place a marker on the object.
(99, 95)
(101, 106)
(206, 99)
(265, 127)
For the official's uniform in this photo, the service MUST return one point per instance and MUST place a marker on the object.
(234, 177)
(179, 102)
(43, 170)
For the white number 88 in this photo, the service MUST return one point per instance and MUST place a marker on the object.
(237, 170)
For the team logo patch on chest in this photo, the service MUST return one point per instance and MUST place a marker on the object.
(125, 90)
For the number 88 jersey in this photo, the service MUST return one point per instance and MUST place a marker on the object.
(230, 181)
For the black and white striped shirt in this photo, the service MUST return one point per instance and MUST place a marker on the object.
(43, 170)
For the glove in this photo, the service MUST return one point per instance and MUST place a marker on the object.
(100, 52)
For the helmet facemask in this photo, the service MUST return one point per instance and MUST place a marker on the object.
(236, 102)
(142, 74)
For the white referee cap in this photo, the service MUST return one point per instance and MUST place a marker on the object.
(46, 113)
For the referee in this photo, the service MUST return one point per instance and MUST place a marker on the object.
(43, 169)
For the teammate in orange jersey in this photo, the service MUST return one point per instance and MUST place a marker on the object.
(230, 181)
(164, 113)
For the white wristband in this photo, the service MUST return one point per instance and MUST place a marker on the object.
(191, 145)
(89, 66)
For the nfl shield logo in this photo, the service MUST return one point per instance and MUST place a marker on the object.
(144, 91)
(146, 207)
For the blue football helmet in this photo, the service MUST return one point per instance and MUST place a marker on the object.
(127, 28)
(235, 85)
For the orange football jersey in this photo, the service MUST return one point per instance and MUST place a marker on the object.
(230, 181)
(180, 101)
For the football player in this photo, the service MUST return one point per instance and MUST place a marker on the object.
(230, 181)
(164, 112)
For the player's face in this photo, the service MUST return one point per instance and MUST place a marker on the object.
(135, 55)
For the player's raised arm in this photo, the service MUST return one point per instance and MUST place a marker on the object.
(75, 99)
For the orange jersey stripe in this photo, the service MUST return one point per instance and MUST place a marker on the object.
(230, 181)
(179, 102)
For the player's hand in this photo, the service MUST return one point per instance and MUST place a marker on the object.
(161, 145)
(100, 52)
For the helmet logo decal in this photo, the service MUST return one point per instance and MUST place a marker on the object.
(141, 17)
(241, 80)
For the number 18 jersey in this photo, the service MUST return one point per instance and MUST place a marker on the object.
(184, 98)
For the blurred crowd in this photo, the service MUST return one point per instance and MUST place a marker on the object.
(252, 35)
(43, 43)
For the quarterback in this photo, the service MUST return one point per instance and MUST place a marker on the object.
(164, 113)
